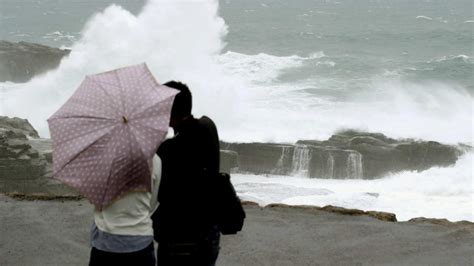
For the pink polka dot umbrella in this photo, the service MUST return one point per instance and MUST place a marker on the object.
(106, 134)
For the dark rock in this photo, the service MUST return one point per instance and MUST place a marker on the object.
(360, 140)
(259, 158)
(444, 222)
(19, 62)
(341, 210)
(18, 161)
(423, 155)
(346, 155)
(25, 164)
(229, 161)
(383, 216)
(351, 134)
(301, 160)
(21, 126)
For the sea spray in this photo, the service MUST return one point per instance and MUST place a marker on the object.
(177, 39)
(286, 155)
(329, 166)
(301, 160)
(354, 165)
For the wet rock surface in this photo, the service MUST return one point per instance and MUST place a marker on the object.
(25, 162)
(382, 216)
(444, 222)
(21, 61)
(346, 155)
(18, 125)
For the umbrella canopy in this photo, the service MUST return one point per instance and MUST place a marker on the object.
(106, 134)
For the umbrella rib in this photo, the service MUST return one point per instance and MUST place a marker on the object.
(130, 151)
(148, 116)
(82, 116)
(112, 149)
(155, 129)
(106, 93)
(150, 107)
(138, 145)
(140, 81)
(111, 84)
(85, 133)
(122, 99)
(106, 187)
(79, 153)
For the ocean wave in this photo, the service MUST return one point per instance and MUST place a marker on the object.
(461, 57)
(263, 67)
(449, 69)
(438, 19)
(326, 63)
(62, 37)
(424, 17)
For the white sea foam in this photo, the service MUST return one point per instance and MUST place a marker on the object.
(59, 36)
(326, 63)
(435, 193)
(424, 17)
(262, 67)
(463, 57)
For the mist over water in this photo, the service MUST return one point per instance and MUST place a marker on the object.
(266, 72)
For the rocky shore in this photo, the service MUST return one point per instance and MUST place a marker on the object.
(26, 159)
(52, 222)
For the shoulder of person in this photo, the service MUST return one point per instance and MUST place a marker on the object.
(164, 147)
(156, 160)
(205, 121)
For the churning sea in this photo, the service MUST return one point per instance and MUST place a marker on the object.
(281, 71)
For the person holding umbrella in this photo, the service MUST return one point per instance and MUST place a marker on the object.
(104, 142)
(122, 232)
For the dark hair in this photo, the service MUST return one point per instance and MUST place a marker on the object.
(183, 101)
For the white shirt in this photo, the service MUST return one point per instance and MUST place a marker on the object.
(131, 215)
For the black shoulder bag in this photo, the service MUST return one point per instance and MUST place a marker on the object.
(230, 213)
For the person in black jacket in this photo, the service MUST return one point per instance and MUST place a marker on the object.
(185, 224)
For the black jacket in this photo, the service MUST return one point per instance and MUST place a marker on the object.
(186, 211)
